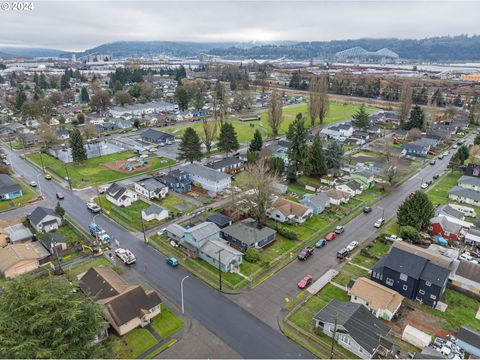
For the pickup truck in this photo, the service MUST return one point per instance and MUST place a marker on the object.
(94, 208)
(305, 253)
(126, 256)
(393, 238)
(98, 233)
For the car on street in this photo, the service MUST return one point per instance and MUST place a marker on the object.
(60, 196)
(48, 177)
(342, 254)
(125, 255)
(379, 223)
(352, 245)
(330, 236)
(367, 210)
(320, 243)
(393, 237)
(94, 208)
(424, 185)
(445, 153)
(305, 253)
(436, 176)
(339, 230)
(305, 282)
(161, 231)
(172, 262)
(33, 184)
(429, 182)
(432, 162)
(455, 146)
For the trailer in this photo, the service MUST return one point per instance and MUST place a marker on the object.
(98, 233)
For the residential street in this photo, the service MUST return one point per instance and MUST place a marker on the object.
(239, 329)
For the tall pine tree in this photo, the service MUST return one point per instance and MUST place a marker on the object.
(416, 211)
(297, 152)
(227, 141)
(257, 142)
(190, 148)
(360, 118)
(84, 97)
(79, 154)
(416, 120)
(316, 163)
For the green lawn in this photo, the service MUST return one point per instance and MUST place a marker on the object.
(77, 269)
(175, 203)
(161, 349)
(317, 222)
(166, 323)
(350, 272)
(364, 261)
(71, 236)
(279, 247)
(298, 189)
(28, 195)
(133, 344)
(93, 171)
(379, 248)
(438, 193)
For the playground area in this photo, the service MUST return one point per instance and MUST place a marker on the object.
(129, 165)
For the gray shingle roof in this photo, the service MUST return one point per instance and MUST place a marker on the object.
(205, 172)
(153, 209)
(446, 224)
(469, 270)
(469, 336)
(469, 180)
(229, 161)
(157, 135)
(40, 213)
(449, 211)
(435, 274)
(151, 184)
(219, 219)
(246, 232)
(228, 254)
(203, 230)
(320, 199)
(466, 193)
(7, 185)
(116, 191)
(18, 232)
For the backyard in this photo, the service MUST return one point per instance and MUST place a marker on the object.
(438, 194)
(176, 204)
(94, 171)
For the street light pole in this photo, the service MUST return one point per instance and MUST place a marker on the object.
(181, 291)
(219, 269)
(68, 177)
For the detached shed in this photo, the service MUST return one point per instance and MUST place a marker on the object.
(416, 337)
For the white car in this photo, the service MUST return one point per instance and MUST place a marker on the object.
(33, 184)
(379, 223)
(126, 256)
(94, 208)
(455, 146)
(393, 237)
(445, 153)
(352, 245)
(162, 231)
(467, 257)
(424, 186)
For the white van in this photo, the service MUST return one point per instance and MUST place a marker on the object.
(465, 210)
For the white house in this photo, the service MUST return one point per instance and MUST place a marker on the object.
(151, 188)
(211, 180)
(286, 211)
(337, 197)
(44, 219)
(120, 196)
(351, 187)
(154, 212)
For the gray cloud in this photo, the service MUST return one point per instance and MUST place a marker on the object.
(77, 25)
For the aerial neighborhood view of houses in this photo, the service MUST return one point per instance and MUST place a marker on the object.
(230, 199)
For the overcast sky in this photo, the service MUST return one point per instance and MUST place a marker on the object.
(79, 25)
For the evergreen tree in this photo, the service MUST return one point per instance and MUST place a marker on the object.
(48, 318)
(20, 99)
(35, 79)
(257, 142)
(181, 73)
(182, 98)
(317, 164)
(416, 120)
(295, 80)
(360, 118)
(297, 152)
(462, 154)
(227, 141)
(476, 141)
(79, 153)
(59, 209)
(190, 147)
(416, 211)
(334, 155)
(2, 80)
(42, 81)
(84, 97)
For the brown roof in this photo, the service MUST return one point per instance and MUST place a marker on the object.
(434, 258)
(469, 270)
(288, 207)
(14, 253)
(336, 194)
(377, 295)
(3, 239)
(101, 282)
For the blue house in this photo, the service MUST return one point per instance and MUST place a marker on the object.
(9, 189)
(469, 340)
(178, 181)
(318, 202)
(419, 147)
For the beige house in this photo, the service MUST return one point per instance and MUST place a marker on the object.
(380, 300)
(17, 259)
(126, 306)
(337, 197)
(287, 211)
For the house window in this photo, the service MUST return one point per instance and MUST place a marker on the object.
(421, 292)
(433, 297)
(389, 281)
(428, 283)
(374, 274)
(403, 277)
(405, 287)
(345, 339)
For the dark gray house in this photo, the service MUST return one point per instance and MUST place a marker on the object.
(157, 137)
(222, 221)
(229, 165)
(412, 276)
(177, 181)
(246, 234)
(357, 330)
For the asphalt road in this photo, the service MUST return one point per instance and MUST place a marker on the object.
(266, 299)
(235, 326)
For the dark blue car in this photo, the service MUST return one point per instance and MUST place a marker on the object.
(321, 243)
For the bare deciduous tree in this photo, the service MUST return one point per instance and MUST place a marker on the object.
(405, 102)
(209, 132)
(46, 135)
(90, 131)
(324, 103)
(275, 110)
(414, 134)
(475, 153)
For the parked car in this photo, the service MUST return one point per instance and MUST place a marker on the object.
(455, 146)
(48, 177)
(339, 230)
(342, 254)
(125, 255)
(379, 223)
(321, 243)
(436, 176)
(367, 210)
(433, 162)
(424, 185)
(441, 156)
(393, 237)
(94, 208)
(330, 236)
(467, 257)
(352, 245)
(172, 262)
(33, 184)
(445, 153)
(305, 282)
(161, 231)
(305, 253)
(60, 196)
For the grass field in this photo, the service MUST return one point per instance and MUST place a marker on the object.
(167, 323)
(93, 171)
(175, 203)
(28, 195)
(77, 269)
(338, 112)
(438, 194)
(133, 344)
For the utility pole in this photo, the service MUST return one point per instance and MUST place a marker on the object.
(219, 269)
(143, 229)
(68, 177)
(334, 333)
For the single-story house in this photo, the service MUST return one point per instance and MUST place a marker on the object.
(447, 210)
(122, 123)
(62, 134)
(469, 340)
(18, 233)
(157, 137)
(9, 189)
(17, 259)
(357, 329)
(361, 135)
(120, 195)
(364, 177)
(465, 196)
(151, 188)
(44, 219)
(419, 147)
(54, 240)
(317, 202)
(126, 306)
(211, 180)
(472, 237)
(352, 188)
(177, 181)
(229, 165)
(287, 211)
(469, 182)
(222, 221)
(155, 212)
(380, 300)
(336, 197)
(248, 234)
(217, 250)
(467, 276)
(443, 226)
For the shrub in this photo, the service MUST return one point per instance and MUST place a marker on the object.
(252, 255)
(287, 233)
(409, 233)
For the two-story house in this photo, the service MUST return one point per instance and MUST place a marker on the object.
(248, 234)
(9, 189)
(44, 219)
(177, 181)
(469, 182)
(208, 179)
(151, 188)
(351, 187)
(287, 211)
(120, 195)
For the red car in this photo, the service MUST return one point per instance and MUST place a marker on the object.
(60, 196)
(305, 282)
(330, 236)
